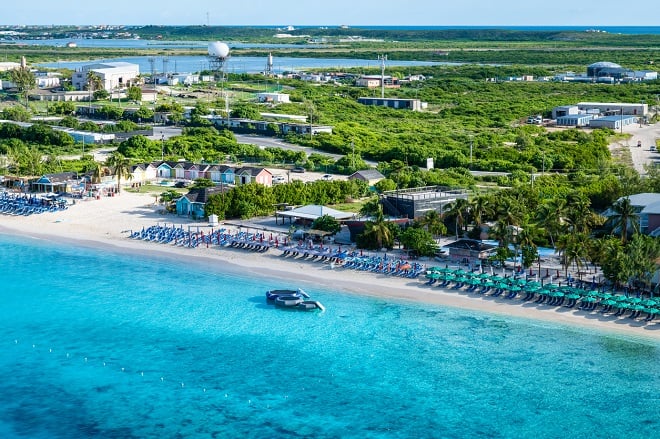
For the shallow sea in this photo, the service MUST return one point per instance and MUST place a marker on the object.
(98, 344)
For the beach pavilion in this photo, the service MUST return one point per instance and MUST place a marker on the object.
(311, 212)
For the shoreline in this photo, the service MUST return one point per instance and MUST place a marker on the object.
(104, 224)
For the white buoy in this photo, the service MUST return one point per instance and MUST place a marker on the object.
(50, 350)
(15, 341)
(162, 379)
(85, 359)
(204, 390)
(67, 355)
(104, 364)
(182, 385)
(141, 373)
(33, 346)
(122, 369)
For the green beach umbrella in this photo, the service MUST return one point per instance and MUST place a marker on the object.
(649, 303)
(634, 300)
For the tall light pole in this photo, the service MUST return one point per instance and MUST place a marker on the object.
(382, 59)
(162, 147)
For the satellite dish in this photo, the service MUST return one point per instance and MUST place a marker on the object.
(218, 49)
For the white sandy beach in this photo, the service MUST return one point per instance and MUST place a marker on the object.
(106, 222)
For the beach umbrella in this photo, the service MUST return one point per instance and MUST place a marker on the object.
(589, 299)
(635, 300)
(649, 303)
(483, 275)
(609, 302)
(474, 281)
(573, 295)
(652, 311)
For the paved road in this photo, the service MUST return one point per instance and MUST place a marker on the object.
(272, 142)
(642, 156)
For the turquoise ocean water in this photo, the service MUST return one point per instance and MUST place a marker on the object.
(96, 344)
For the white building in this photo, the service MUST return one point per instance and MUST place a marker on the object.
(112, 74)
(7, 65)
(48, 81)
(275, 98)
(614, 108)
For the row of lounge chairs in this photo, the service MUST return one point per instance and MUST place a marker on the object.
(177, 235)
(383, 265)
(584, 296)
(13, 204)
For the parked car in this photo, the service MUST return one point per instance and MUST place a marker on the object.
(326, 177)
(180, 184)
(652, 148)
(277, 179)
(298, 169)
(639, 144)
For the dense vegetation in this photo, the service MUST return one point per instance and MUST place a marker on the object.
(556, 181)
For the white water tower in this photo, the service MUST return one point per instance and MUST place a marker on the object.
(218, 54)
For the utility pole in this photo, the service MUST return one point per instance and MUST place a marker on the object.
(353, 155)
(471, 142)
(382, 59)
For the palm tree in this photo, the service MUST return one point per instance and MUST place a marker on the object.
(552, 217)
(481, 208)
(458, 210)
(24, 80)
(432, 221)
(120, 168)
(94, 83)
(378, 231)
(624, 217)
(580, 218)
(576, 251)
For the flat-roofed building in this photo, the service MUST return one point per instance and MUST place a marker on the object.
(374, 81)
(408, 104)
(612, 122)
(274, 98)
(612, 108)
(415, 202)
(112, 75)
(574, 120)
